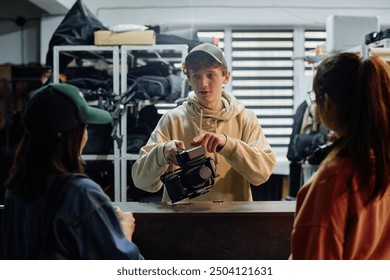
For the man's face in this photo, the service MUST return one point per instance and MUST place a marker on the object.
(207, 84)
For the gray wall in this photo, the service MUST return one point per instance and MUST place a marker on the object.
(19, 44)
(172, 13)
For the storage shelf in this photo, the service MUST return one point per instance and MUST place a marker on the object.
(111, 55)
(121, 58)
(98, 157)
(126, 63)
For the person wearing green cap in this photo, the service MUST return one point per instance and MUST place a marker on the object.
(213, 118)
(52, 210)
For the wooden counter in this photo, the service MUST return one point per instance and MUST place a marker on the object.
(209, 230)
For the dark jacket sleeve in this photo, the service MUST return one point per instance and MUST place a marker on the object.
(88, 228)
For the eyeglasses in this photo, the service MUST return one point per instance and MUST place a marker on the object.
(311, 95)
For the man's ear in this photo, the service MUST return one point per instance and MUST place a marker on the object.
(226, 77)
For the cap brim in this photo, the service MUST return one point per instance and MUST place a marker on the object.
(98, 116)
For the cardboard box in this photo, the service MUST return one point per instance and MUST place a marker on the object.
(347, 32)
(109, 38)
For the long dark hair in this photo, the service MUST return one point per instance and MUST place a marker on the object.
(36, 157)
(361, 89)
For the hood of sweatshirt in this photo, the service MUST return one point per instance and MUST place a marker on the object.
(232, 107)
(207, 120)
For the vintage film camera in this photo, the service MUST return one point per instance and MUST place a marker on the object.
(194, 177)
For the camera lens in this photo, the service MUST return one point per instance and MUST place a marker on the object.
(201, 176)
(204, 173)
(198, 176)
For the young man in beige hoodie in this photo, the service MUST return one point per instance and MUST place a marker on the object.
(213, 118)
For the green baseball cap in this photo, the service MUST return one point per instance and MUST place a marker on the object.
(59, 107)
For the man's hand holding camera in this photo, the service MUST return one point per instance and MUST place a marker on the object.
(212, 142)
(170, 150)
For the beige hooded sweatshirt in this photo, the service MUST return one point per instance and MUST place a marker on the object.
(245, 159)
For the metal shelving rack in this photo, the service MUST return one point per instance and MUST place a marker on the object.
(128, 60)
(111, 54)
(380, 48)
(121, 58)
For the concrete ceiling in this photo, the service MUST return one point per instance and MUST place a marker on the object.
(19, 8)
(233, 12)
(54, 7)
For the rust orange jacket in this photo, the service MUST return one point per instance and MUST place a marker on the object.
(332, 221)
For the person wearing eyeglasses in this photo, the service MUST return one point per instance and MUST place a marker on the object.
(343, 211)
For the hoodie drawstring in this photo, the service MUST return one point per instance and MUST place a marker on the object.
(201, 120)
(216, 155)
